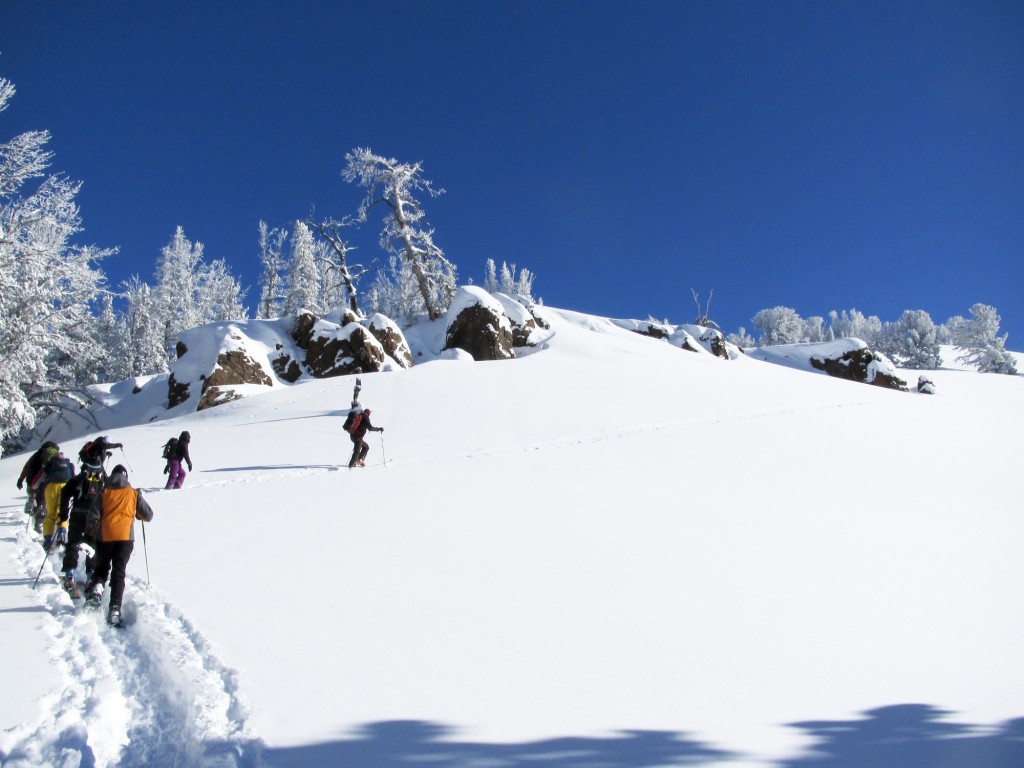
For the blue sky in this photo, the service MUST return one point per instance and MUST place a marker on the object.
(818, 155)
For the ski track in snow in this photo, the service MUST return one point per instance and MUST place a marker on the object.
(150, 694)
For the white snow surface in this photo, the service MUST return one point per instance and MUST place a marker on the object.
(608, 552)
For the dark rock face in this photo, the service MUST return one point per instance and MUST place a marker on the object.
(285, 366)
(394, 343)
(341, 351)
(859, 365)
(234, 367)
(177, 392)
(652, 330)
(482, 333)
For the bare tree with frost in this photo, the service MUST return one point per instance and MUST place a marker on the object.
(405, 234)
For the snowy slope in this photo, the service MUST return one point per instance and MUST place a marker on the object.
(608, 552)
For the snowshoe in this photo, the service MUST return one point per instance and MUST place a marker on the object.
(70, 586)
(93, 595)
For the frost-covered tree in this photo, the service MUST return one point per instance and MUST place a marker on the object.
(177, 288)
(508, 282)
(814, 330)
(779, 325)
(742, 339)
(142, 332)
(854, 325)
(339, 276)
(912, 341)
(978, 337)
(47, 283)
(405, 233)
(272, 280)
(189, 293)
(396, 293)
(303, 272)
(220, 295)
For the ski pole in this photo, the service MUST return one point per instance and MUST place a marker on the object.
(145, 551)
(383, 455)
(125, 455)
(45, 556)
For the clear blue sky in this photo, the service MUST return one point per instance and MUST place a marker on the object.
(819, 155)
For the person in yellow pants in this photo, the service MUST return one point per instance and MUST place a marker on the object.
(59, 470)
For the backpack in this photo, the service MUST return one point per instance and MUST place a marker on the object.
(59, 470)
(91, 486)
(353, 421)
(170, 449)
(86, 454)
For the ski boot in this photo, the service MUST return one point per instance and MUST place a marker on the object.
(114, 617)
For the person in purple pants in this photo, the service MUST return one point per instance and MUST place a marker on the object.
(176, 453)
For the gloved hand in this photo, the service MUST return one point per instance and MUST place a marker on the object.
(190, 466)
(60, 536)
(21, 484)
(167, 469)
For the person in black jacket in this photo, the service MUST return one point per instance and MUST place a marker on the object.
(178, 455)
(359, 426)
(75, 499)
(97, 451)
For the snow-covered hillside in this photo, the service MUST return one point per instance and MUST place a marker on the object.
(608, 552)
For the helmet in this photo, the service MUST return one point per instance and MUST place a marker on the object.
(119, 470)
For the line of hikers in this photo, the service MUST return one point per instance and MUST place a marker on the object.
(90, 507)
(86, 507)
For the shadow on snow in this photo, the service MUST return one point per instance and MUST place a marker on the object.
(902, 736)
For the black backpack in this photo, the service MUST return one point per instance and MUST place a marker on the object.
(170, 449)
(59, 470)
(90, 486)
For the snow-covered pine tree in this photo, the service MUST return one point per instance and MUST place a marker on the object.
(912, 341)
(46, 282)
(219, 294)
(177, 289)
(983, 347)
(143, 334)
(854, 325)
(742, 339)
(303, 272)
(405, 233)
(779, 325)
(272, 279)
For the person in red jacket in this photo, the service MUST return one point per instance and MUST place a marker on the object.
(117, 509)
(357, 425)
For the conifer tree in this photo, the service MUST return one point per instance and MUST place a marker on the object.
(47, 283)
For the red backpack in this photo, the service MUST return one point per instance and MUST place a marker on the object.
(353, 421)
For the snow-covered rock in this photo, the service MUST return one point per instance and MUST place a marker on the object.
(477, 324)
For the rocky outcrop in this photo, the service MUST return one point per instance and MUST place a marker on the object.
(863, 365)
(233, 367)
(477, 324)
(390, 337)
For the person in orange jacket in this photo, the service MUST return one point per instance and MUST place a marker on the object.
(114, 512)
